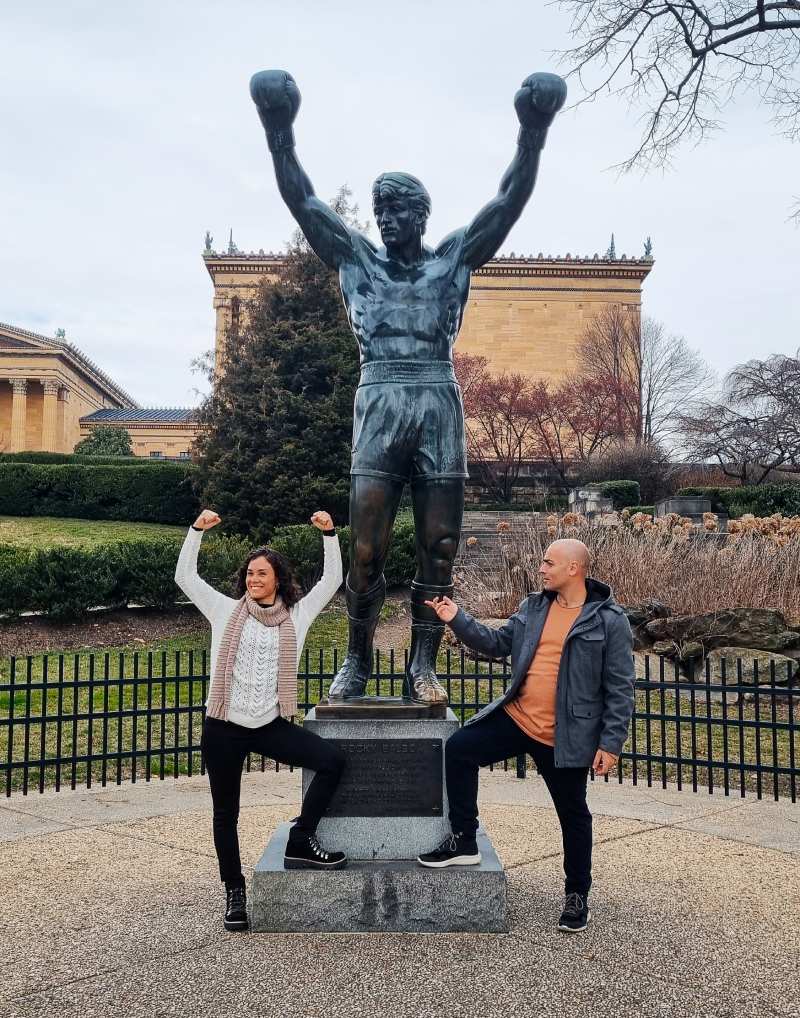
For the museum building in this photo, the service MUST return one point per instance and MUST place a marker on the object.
(525, 314)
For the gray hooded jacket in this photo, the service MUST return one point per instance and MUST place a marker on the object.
(594, 692)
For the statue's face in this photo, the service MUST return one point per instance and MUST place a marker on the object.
(397, 221)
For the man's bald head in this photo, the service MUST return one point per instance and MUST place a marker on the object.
(564, 567)
(568, 550)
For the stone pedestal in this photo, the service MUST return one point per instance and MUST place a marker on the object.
(392, 800)
(396, 896)
(390, 807)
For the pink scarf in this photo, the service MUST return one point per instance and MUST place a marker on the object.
(219, 694)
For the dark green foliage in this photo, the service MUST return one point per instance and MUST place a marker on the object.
(276, 432)
(162, 495)
(541, 503)
(302, 546)
(758, 499)
(14, 579)
(649, 509)
(622, 493)
(219, 561)
(106, 441)
(69, 457)
(64, 583)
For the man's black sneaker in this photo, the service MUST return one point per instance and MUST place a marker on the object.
(235, 907)
(576, 915)
(304, 852)
(455, 850)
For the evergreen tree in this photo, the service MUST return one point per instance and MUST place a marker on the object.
(275, 433)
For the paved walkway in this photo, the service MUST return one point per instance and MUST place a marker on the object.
(111, 907)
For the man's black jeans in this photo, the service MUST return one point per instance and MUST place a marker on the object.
(497, 738)
(225, 746)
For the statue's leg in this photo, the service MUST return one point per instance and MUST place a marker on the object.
(438, 509)
(373, 507)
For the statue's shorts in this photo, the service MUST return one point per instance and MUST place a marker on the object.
(408, 422)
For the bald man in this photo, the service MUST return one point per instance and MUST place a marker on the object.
(568, 705)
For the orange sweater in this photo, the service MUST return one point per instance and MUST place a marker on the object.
(534, 707)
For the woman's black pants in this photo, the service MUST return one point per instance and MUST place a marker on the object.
(225, 747)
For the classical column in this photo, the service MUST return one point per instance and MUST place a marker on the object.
(19, 405)
(51, 440)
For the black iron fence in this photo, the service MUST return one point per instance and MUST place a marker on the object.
(83, 719)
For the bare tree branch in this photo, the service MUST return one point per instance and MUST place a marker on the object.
(683, 61)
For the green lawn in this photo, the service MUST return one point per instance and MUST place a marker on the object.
(46, 531)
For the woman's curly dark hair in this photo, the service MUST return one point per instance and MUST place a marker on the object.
(287, 585)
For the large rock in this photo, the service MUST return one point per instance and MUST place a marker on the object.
(785, 667)
(638, 617)
(759, 628)
(646, 611)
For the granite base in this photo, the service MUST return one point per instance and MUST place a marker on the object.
(384, 896)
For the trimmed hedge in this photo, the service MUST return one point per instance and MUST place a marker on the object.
(71, 457)
(758, 499)
(64, 583)
(95, 492)
(300, 544)
(622, 493)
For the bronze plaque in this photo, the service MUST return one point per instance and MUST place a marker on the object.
(389, 778)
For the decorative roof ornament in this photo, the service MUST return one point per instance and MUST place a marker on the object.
(61, 333)
(209, 241)
(648, 248)
(232, 248)
(611, 253)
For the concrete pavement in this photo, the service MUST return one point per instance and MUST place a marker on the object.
(112, 906)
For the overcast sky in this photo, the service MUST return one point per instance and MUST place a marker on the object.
(127, 131)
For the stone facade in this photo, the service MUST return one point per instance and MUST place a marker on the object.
(46, 387)
(524, 314)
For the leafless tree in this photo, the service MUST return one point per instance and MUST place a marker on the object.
(684, 60)
(754, 429)
(675, 378)
(499, 422)
(653, 375)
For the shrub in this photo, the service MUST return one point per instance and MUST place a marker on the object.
(69, 457)
(219, 561)
(650, 510)
(301, 545)
(622, 493)
(758, 499)
(64, 583)
(135, 493)
(14, 579)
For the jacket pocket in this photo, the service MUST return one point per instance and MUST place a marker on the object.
(587, 710)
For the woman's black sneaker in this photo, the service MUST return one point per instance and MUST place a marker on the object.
(235, 907)
(455, 850)
(576, 915)
(304, 852)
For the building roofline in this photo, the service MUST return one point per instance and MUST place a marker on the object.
(512, 264)
(84, 362)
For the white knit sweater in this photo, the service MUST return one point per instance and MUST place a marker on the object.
(254, 692)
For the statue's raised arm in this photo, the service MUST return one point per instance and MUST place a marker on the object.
(277, 99)
(538, 100)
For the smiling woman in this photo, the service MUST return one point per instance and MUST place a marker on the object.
(256, 643)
